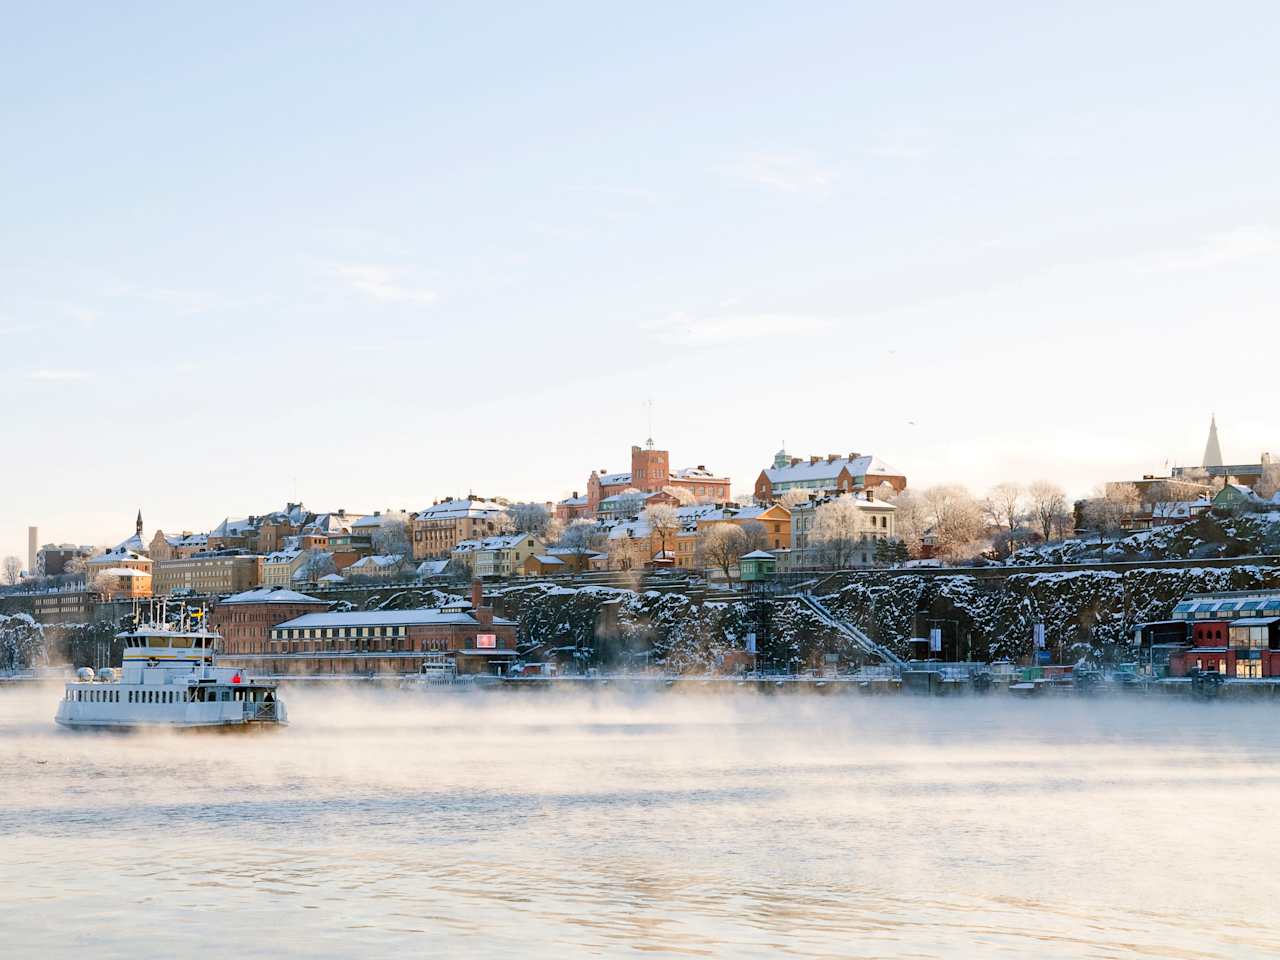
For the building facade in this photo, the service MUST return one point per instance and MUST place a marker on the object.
(503, 556)
(213, 572)
(872, 521)
(245, 619)
(825, 476)
(439, 528)
(650, 472)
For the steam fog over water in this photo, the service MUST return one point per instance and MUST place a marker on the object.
(682, 825)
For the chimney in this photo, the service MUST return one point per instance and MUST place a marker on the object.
(342, 511)
(477, 594)
(702, 467)
(832, 457)
(794, 461)
(575, 495)
(854, 456)
(869, 494)
(814, 459)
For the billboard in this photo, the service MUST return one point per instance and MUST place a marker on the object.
(486, 641)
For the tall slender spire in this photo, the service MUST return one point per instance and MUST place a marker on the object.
(1212, 450)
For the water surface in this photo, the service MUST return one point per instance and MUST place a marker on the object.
(677, 825)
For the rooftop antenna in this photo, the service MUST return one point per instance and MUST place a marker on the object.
(649, 442)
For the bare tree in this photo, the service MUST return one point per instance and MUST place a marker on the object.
(719, 547)
(1108, 509)
(793, 498)
(582, 539)
(957, 519)
(663, 521)
(1268, 484)
(1004, 507)
(683, 495)
(530, 518)
(1048, 505)
(11, 570)
(911, 519)
(755, 535)
(392, 536)
(837, 531)
(316, 564)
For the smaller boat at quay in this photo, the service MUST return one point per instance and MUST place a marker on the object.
(168, 679)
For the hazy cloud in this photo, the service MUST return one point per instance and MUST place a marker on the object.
(382, 283)
(788, 172)
(58, 376)
(1242, 245)
(688, 330)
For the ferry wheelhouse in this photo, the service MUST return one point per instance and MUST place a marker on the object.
(168, 679)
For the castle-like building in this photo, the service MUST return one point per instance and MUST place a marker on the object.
(651, 473)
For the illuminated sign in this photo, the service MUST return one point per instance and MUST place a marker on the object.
(486, 641)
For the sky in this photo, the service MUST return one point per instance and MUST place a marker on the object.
(368, 256)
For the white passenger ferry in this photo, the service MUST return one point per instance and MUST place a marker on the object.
(168, 679)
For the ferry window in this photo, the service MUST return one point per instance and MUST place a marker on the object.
(180, 642)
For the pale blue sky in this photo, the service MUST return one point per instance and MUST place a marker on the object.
(376, 254)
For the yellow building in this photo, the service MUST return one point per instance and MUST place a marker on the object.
(774, 523)
(119, 574)
(208, 574)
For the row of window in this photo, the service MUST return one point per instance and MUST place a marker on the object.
(327, 633)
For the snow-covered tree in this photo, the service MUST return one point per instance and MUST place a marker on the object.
(837, 531)
(317, 564)
(719, 547)
(957, 519)
(911, 519)
(22, 642)
(392, 536)
(1004, 507)
(793, 498)
(1108, 509)
(683, 494)
(1268, 484)
(663, 521)
(531, 518)
(582, 538)
(11, 571)
(1048, 506)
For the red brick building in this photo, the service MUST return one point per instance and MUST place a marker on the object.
(650, 472)
(245, 619)
(387, 641)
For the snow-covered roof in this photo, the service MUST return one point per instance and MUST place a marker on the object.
(548, 560)
(124, 572)
(380, 561)
(283, 556)
(233, 528)
(807, 471)
(432, 568)
(133, 543)
(333, 578)
(116, 555)
(271, 595)
(188, 540)
(695, 473)
(503, 542)
(383, 618)
(333, 523)
(574, 502)
(613, 479)
(461, 509)
(758, 555)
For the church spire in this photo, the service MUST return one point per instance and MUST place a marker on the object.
(1212, 450)
(139, 524)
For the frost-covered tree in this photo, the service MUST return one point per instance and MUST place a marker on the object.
(719, 547)
(531, 518)
(1004, 507)
(582, 538)
(11, 571)
(793, 498)
(663, 521)
(22, 642)
(392, 536)
(1109, 508)
(911, 519)
(755, 536)
(837, 531)
(1268, 484)
(1048, 506)
(957, 519)
(683, 495)
(317, 564)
